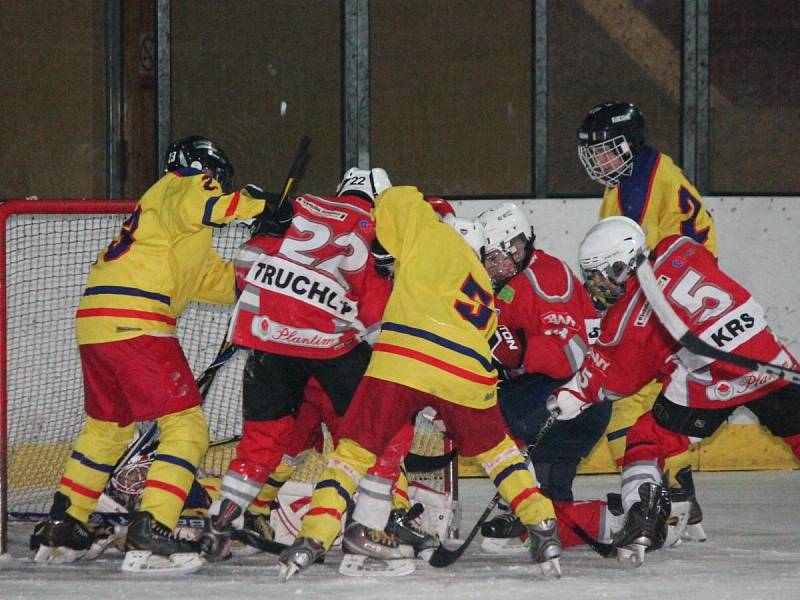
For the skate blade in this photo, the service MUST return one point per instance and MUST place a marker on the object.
(425, 555)
(504, 546)
(551, 569)
(631, 555)
(145, 562)
(694, 533)
(673, 538)
(287, 571)
(358, 565)
(57, 555)
(100, 545)
(239, 549)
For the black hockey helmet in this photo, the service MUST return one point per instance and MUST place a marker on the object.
(610, 119)
(200, 153)
(609, 137)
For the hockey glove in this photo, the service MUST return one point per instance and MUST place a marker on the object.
(569, 404)
(277, 215)
(508, 347)
(384, 262)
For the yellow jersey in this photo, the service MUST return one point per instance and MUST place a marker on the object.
(440, 315)
(659, 197)
(162, 259)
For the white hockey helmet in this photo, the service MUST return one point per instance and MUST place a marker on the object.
(471, 231)
(608, 256)
(363, 182)
(509, 241)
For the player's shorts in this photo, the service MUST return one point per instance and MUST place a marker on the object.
(274, 385)
(381, 408)
(139, 379)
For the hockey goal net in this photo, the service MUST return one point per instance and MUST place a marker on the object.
(46, 249)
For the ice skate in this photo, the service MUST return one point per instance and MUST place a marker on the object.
(375, 543)
(299, 556)
(545, 547)
(61, 538)
(503, 534)
(152, 547)
(645, 525)
(406, 531)
(215, 543)
(693, 531)
(505, 525)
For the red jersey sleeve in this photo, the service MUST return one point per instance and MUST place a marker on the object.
(548, 304)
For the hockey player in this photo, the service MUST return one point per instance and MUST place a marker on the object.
(308, 299)
(697, 393)
(381, 525)
(432, 351)
(133, 366)
(646, 186)
(544, 316)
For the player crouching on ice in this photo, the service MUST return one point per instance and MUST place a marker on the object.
(698, 393)
(433, 351)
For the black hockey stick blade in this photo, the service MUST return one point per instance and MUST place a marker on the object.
(444, 557)
(604, 550)
(419, 463)
(681, 333)
(256, 541)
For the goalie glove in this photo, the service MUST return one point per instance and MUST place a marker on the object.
(508, 347)
(568, 403)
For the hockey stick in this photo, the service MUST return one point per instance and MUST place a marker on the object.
(295, 171)
(444, 557)
(251, 539)
(680, 331)
(420, 463)
(226, 349)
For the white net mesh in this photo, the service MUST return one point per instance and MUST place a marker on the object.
(47, 260)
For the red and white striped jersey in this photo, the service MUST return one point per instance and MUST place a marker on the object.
(634, 347)
(314, 292)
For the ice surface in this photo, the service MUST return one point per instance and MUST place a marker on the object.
(753, 552)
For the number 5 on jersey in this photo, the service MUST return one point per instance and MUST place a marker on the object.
(479, 312)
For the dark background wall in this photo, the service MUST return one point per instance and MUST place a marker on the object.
(451, 90)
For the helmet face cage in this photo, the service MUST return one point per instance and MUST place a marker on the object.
(606, 282)
(607, 162)
(509, 242)
(608, 257)
(507, 259)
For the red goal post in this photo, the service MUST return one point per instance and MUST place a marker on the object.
(46, 250)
